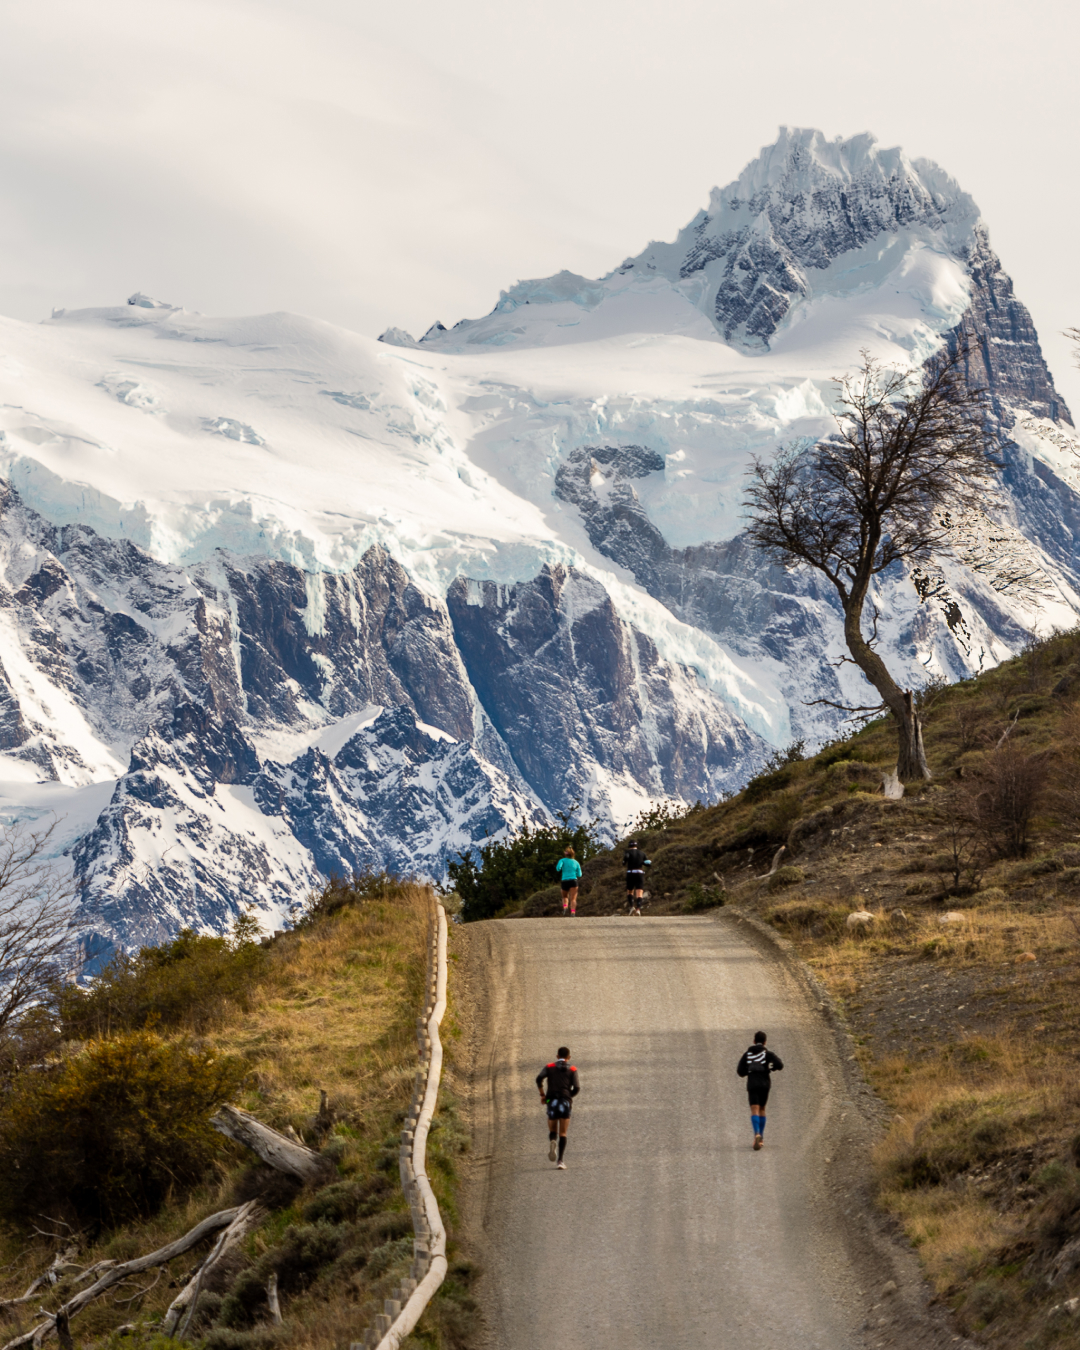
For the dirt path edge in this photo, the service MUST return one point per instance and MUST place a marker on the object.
(877, 1247)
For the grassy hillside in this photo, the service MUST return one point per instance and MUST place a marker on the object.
(962, 992)
(328, 1008)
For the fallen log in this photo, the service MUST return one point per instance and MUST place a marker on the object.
(116, 1273)
(62, 1265)
(188, 1297)
(274, 1148)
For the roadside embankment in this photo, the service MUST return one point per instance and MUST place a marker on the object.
(318, 1029)
(946, 926)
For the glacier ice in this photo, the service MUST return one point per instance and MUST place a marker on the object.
(327, 542)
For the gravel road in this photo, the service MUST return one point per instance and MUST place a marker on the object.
(667, 1230)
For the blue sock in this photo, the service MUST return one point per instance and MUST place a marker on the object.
(756, 1122)
(761, 1124)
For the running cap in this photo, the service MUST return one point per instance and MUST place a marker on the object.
(759, 1038)
(564, 1052)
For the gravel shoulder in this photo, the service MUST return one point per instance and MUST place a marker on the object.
(667, 1229)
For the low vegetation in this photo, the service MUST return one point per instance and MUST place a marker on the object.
(106, 1152)
(499, 875)
(961, 987)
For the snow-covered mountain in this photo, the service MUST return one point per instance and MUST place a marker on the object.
(277, 600)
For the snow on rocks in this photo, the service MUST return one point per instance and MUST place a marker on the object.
(234, 430)
(147, 302)
(262, 725)
(521, 531)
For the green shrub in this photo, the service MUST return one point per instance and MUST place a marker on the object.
(344, 892)
(112, 1132)
(344, 1201)
(960, 1134)
(699, 897)
(764, 783)
(985, 1302)
(782, 813)
(662, 815)
(786, 876)
(1053, 1176)
(259, 1338)
(854, 772)
(185, 982)
(508, 871)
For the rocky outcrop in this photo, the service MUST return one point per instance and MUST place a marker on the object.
(583, 701)
(267, 726)
(1005, 357)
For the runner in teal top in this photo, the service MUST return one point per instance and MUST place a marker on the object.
(569, 870)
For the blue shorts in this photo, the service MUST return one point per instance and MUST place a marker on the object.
(558, 1110)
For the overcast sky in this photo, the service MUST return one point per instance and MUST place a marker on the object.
(399, 162)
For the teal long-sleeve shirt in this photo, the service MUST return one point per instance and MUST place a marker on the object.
(569, 869)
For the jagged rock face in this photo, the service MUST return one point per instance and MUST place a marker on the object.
(341, 641)
(394, 794)
(176, 847)
(412, 736)
(255, 642)
(759, 240)
(1005, 355)
(260, 723)
(807, 203)
(572, 688)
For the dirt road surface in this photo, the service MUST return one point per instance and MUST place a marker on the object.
(667, 1229)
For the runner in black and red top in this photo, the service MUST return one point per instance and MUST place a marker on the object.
(561, 1088)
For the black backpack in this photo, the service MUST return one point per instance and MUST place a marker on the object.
(757, 1061)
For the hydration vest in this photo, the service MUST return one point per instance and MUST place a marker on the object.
(757, 1061)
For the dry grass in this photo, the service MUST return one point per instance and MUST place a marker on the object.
(337, 1012)
(334, 1010)
(969, 1031)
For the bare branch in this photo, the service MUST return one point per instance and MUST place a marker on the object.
(910, 446)
(228, 1219)
(845, 707)
(37, 946)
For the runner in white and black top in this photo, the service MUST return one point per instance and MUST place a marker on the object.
(755, 1066)
(635, 861)
(558, 1084)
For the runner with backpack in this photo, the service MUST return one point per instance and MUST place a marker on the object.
(558, 1096)
(756, 1065)
(635, 862)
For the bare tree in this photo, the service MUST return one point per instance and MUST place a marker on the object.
(36, 941)
(965, 854)
(1004, 796)
(910, 445)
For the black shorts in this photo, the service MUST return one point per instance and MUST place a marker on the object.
(570, 885)
(757, 1089)
(558, 1109)
(635, 881)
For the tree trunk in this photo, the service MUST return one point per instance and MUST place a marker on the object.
(63, 1331)
(115, 1274)
(246, 1217)
(911, 765)
(277, 1149)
